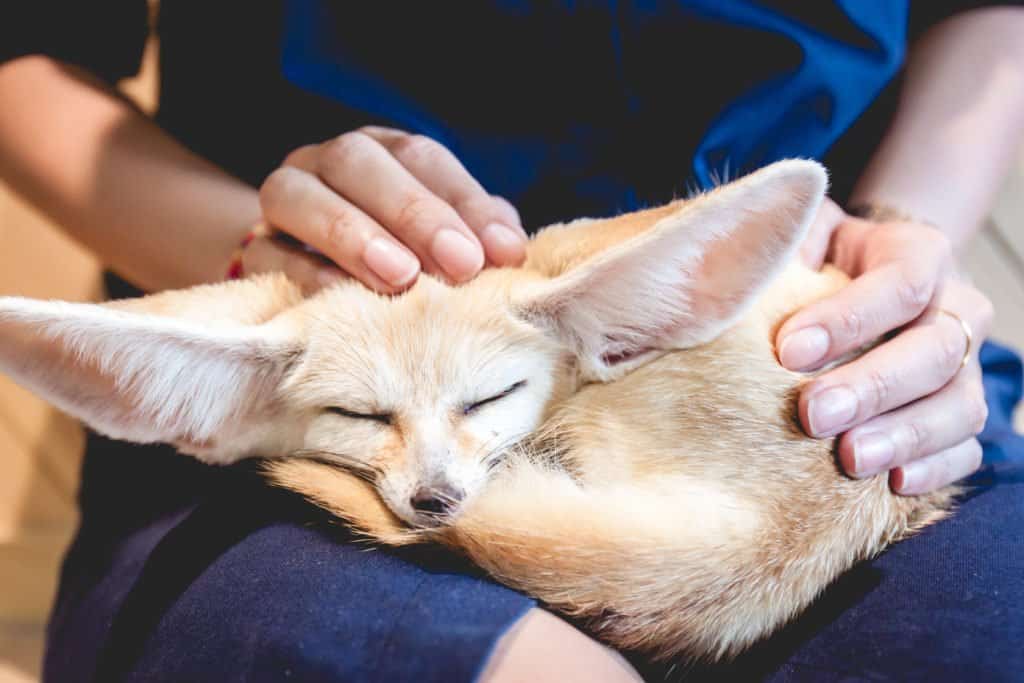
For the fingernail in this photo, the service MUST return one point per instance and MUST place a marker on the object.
(460, 258)
(831, 409)
(909, 480)
(872, 453)
(390, 262)
(896, 479)
(520, 230)
(504, 245)
(804, 348)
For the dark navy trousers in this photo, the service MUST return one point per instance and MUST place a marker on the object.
(181, 572)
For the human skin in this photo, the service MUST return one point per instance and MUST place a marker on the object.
(909, 406)
(165, 218)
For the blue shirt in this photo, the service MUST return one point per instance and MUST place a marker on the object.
(567, 107)
(613, 103)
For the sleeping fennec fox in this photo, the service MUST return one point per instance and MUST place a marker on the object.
(605, 428)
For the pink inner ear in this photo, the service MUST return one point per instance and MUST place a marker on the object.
(622, 349)
(683, 281)
(735, 267)
(613, 359)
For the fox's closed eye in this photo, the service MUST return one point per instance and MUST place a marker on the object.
(383, 418)
(472, 407)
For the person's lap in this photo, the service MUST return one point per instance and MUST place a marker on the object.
(249, 583)
(238, 582)
(293, 601)
(947, 604)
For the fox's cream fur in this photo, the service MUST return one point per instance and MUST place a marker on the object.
(605, 428)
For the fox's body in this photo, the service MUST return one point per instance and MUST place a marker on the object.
(605, 428)
(679, 510)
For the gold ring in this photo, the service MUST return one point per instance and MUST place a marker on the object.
(968, 335)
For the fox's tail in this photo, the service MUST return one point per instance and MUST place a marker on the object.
(677, 569)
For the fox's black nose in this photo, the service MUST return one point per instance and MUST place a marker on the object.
(436, 500)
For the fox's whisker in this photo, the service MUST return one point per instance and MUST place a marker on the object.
(354, 466)
(501, 449)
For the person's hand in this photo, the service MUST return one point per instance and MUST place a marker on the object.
(380, 205)
(907, 406)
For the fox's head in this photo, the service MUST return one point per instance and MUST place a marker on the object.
(421, 393)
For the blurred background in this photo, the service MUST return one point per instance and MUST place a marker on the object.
(40, 449)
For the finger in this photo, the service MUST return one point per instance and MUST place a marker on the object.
(510, 209)
(963, 300)
(916, 363)
(303, 157)
(878, 301)
(946, 418)
(310, 272)
(300, 204)
(498, 229)
(935, 471)
(441, 172)
(815, 245)
(360, 169)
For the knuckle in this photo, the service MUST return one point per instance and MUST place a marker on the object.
(851, 322)
(337, 228)
(915, 439)
(879, 390)
(950, 345)
(976, 409)
(419, 150)
(419, 214)
(481, 207)
(346, 148)
(372, 131)
(295, 155)
(279, 184)
(914, 290)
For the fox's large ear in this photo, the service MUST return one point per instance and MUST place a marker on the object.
(194, 368)
(686, 278)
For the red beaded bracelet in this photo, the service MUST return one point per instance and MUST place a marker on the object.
(235, 269)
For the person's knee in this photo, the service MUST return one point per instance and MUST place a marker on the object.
(541, 647)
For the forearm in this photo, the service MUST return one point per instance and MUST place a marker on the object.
(156, 213)
(959, 124)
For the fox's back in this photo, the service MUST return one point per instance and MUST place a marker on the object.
(712, 433)
(671, 502)
(679, 510)
(726, 412)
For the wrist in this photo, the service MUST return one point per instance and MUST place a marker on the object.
(879, 212)
(236, 265)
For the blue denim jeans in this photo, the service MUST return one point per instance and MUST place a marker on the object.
(181, 572)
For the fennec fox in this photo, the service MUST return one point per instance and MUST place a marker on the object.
(605, 428)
